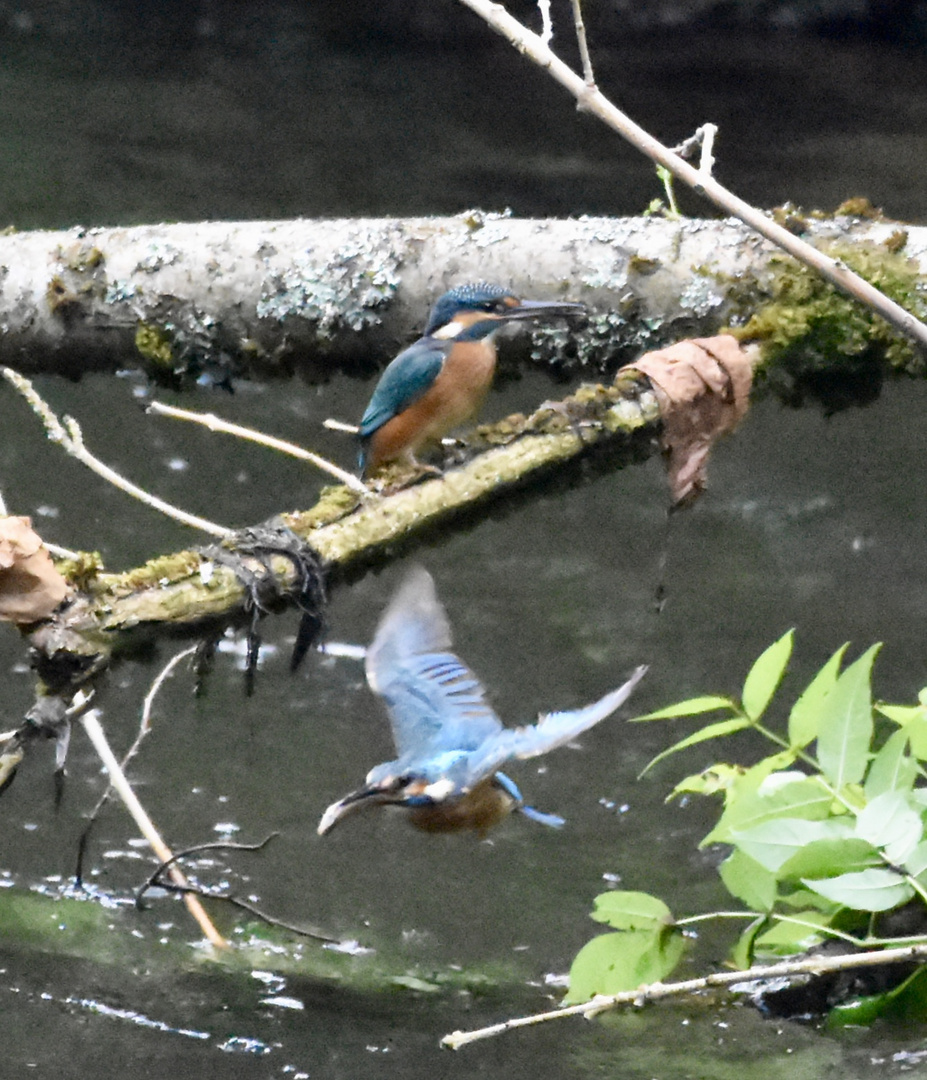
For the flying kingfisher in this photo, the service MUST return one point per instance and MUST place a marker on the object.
(450, 744)
(440, 381)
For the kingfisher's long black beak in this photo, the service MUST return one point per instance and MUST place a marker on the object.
(536, 309)
(357, 800)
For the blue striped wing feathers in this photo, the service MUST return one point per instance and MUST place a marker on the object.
(405, 379)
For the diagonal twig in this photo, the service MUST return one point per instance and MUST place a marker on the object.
(547, 26)
(117, 777)
(143, 729)
(155, 879)
(816, 965)
(591, 99)
(67, 433)
(216, 423)
(588, 74)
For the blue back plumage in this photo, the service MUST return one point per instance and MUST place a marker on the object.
(414, 370)
(450, 744)
(405, 379)
(442, 724)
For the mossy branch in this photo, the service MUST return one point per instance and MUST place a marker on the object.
(261, 297)
(187, 588)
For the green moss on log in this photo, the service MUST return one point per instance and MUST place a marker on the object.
(155, 345)
(810, 331)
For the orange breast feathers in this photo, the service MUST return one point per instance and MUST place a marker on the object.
(480, 809)
(454, 398)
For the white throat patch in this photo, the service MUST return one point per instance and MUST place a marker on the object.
(449, 331)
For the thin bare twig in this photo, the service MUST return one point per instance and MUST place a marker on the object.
(143, 729)
(68, 434)
(706, 163)
(216, 423)
(159, 681)
(251, 909)
(146, 826)
(588, 74)
(154, 878)
(815, 965)
(61, 552)
(592, 100)
(55, 549)
(236, 901)
(702, 138)
(340, 425)
(547, 26)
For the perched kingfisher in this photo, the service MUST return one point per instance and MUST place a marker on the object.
(449, 741)
(440, 381)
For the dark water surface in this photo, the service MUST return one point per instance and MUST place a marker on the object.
(261, 118)
(809, 522)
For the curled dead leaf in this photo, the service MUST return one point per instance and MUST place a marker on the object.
(703, 387)
(30, 586)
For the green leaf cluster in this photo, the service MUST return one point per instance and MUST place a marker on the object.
(826, 833)
(645, 949)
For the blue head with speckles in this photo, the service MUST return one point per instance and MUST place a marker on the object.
(474, 311)
(475, 297)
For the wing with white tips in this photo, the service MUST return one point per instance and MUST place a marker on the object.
(551, 730)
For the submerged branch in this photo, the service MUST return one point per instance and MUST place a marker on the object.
(156, 879)
(144, 728)
(146, 826)
(815, 965)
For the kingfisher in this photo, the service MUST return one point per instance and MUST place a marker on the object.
(449, 742)
(439, 382)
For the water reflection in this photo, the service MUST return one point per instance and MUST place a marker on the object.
(566, 584)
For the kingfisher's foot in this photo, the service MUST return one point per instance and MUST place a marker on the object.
(403, 474)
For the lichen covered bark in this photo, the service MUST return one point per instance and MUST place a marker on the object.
(248, 296)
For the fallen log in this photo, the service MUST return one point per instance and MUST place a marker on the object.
(271, 296)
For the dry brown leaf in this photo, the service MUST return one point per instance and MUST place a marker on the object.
(30, 586)
(703, 387)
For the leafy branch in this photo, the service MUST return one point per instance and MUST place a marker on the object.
(827, 839)
(817, 965)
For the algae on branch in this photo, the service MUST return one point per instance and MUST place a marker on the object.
(154, 344)
(810, 333)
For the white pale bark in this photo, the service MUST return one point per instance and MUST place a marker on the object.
(324, 292)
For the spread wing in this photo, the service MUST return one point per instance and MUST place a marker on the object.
(436, 705)
(551, 730)
(406, 378)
